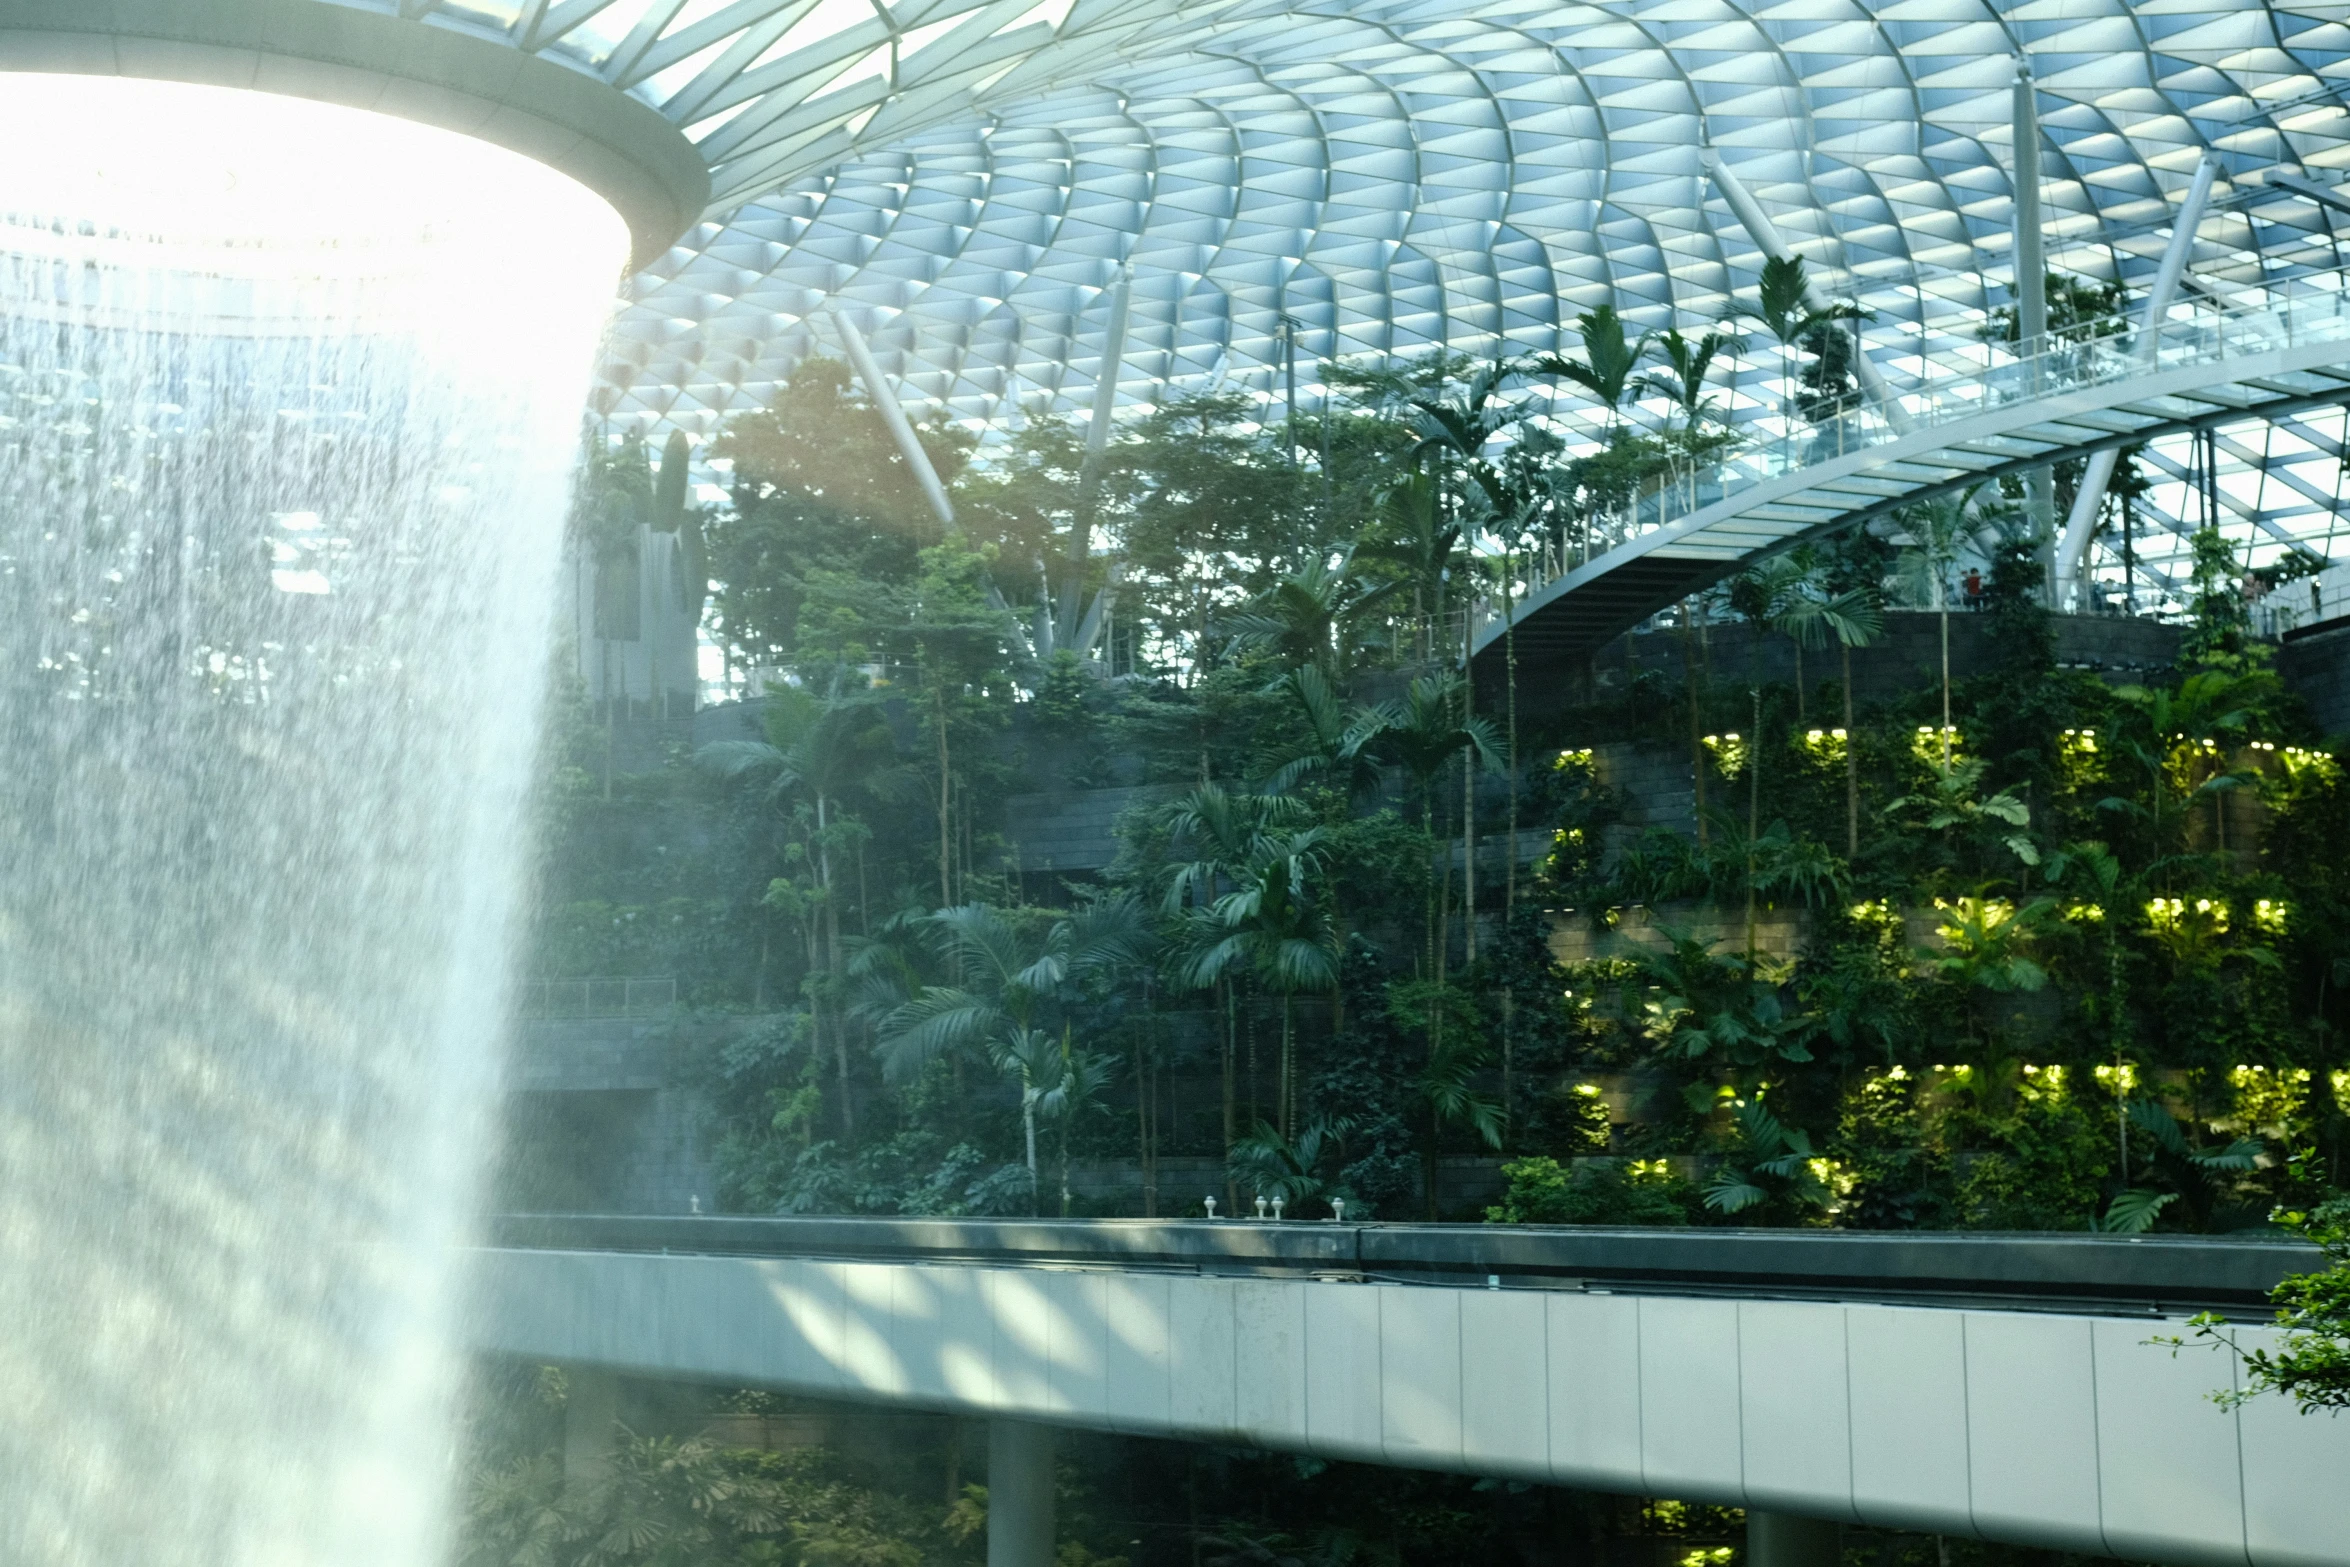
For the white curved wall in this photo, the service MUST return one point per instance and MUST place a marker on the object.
(2070, 1432)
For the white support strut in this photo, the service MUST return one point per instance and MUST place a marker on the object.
(1070, 628)
(2031, 300)
(1105, 390)
(1768, 240)
(895, 417)
(2080, 525)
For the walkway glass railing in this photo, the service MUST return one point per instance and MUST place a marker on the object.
(1948, 388)
(600, 997)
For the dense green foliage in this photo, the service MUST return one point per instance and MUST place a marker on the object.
(1386, 935)
(836, 1486)
(2021, 949)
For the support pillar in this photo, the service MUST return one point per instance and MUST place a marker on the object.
(591, 1419)
(1071, 628)
(2031, 306)
(885, 401)
(1785, 1540)
(1768, 240)
(1019, 1494)
(2081, 526)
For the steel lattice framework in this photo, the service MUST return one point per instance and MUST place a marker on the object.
(967, 178)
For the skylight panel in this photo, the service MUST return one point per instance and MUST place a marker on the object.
(596, 38)
(1052, 13)
(827, 18)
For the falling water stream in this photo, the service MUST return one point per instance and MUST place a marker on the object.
(289, 396)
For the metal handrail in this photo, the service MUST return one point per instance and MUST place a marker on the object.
(612, 996)
(2313, 309)
(2056, 1270)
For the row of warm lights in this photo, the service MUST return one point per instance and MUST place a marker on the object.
(2299, 760)
(1929, 744)
(2077, 750)
(2269, 915)
(2122, 1078)
(2170, 913)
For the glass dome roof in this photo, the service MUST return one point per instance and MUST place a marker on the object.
(968, 177)
(1392, 175)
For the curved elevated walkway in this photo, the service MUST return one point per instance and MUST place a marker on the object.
(1993, 1387)
(2265, 361)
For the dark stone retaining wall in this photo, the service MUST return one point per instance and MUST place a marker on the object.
(2316, 663)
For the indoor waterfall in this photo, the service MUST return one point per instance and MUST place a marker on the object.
(289, 403)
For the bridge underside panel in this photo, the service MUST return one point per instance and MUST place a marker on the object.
(1597, 614)
(2038, 1428)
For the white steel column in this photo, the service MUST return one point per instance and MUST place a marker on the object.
(1787, 1540)
(1105, 388)
(1067, 629)
(1020, 1498)
(895, 417)
(591, 1416)
(2080, 526)
(1767, 239)
(2031, 302)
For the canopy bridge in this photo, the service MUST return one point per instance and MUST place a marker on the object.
(1949, 432)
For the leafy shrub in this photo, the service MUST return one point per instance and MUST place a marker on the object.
(1594, 1191)
(2044, 1169)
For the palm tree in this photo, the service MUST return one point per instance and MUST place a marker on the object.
(1273, 924)
(1411, 535)
(1223, 833)
(1058, 1082)
(1447, 1089)
(1299, 618)
(1014, 985)
(2187, 734)
(1768, 1150)
(1688, 361)
(1511, 534)
(1433, 728)
(1852, 617)
(1335, 745)
(1609, 361)
(1457, 430)
(1607, 372)
(825, 755)
(1938, 529)
(1787, 310)
(1292, 1171)
(1763, 596)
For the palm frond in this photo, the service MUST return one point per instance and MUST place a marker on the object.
(936, 1021)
